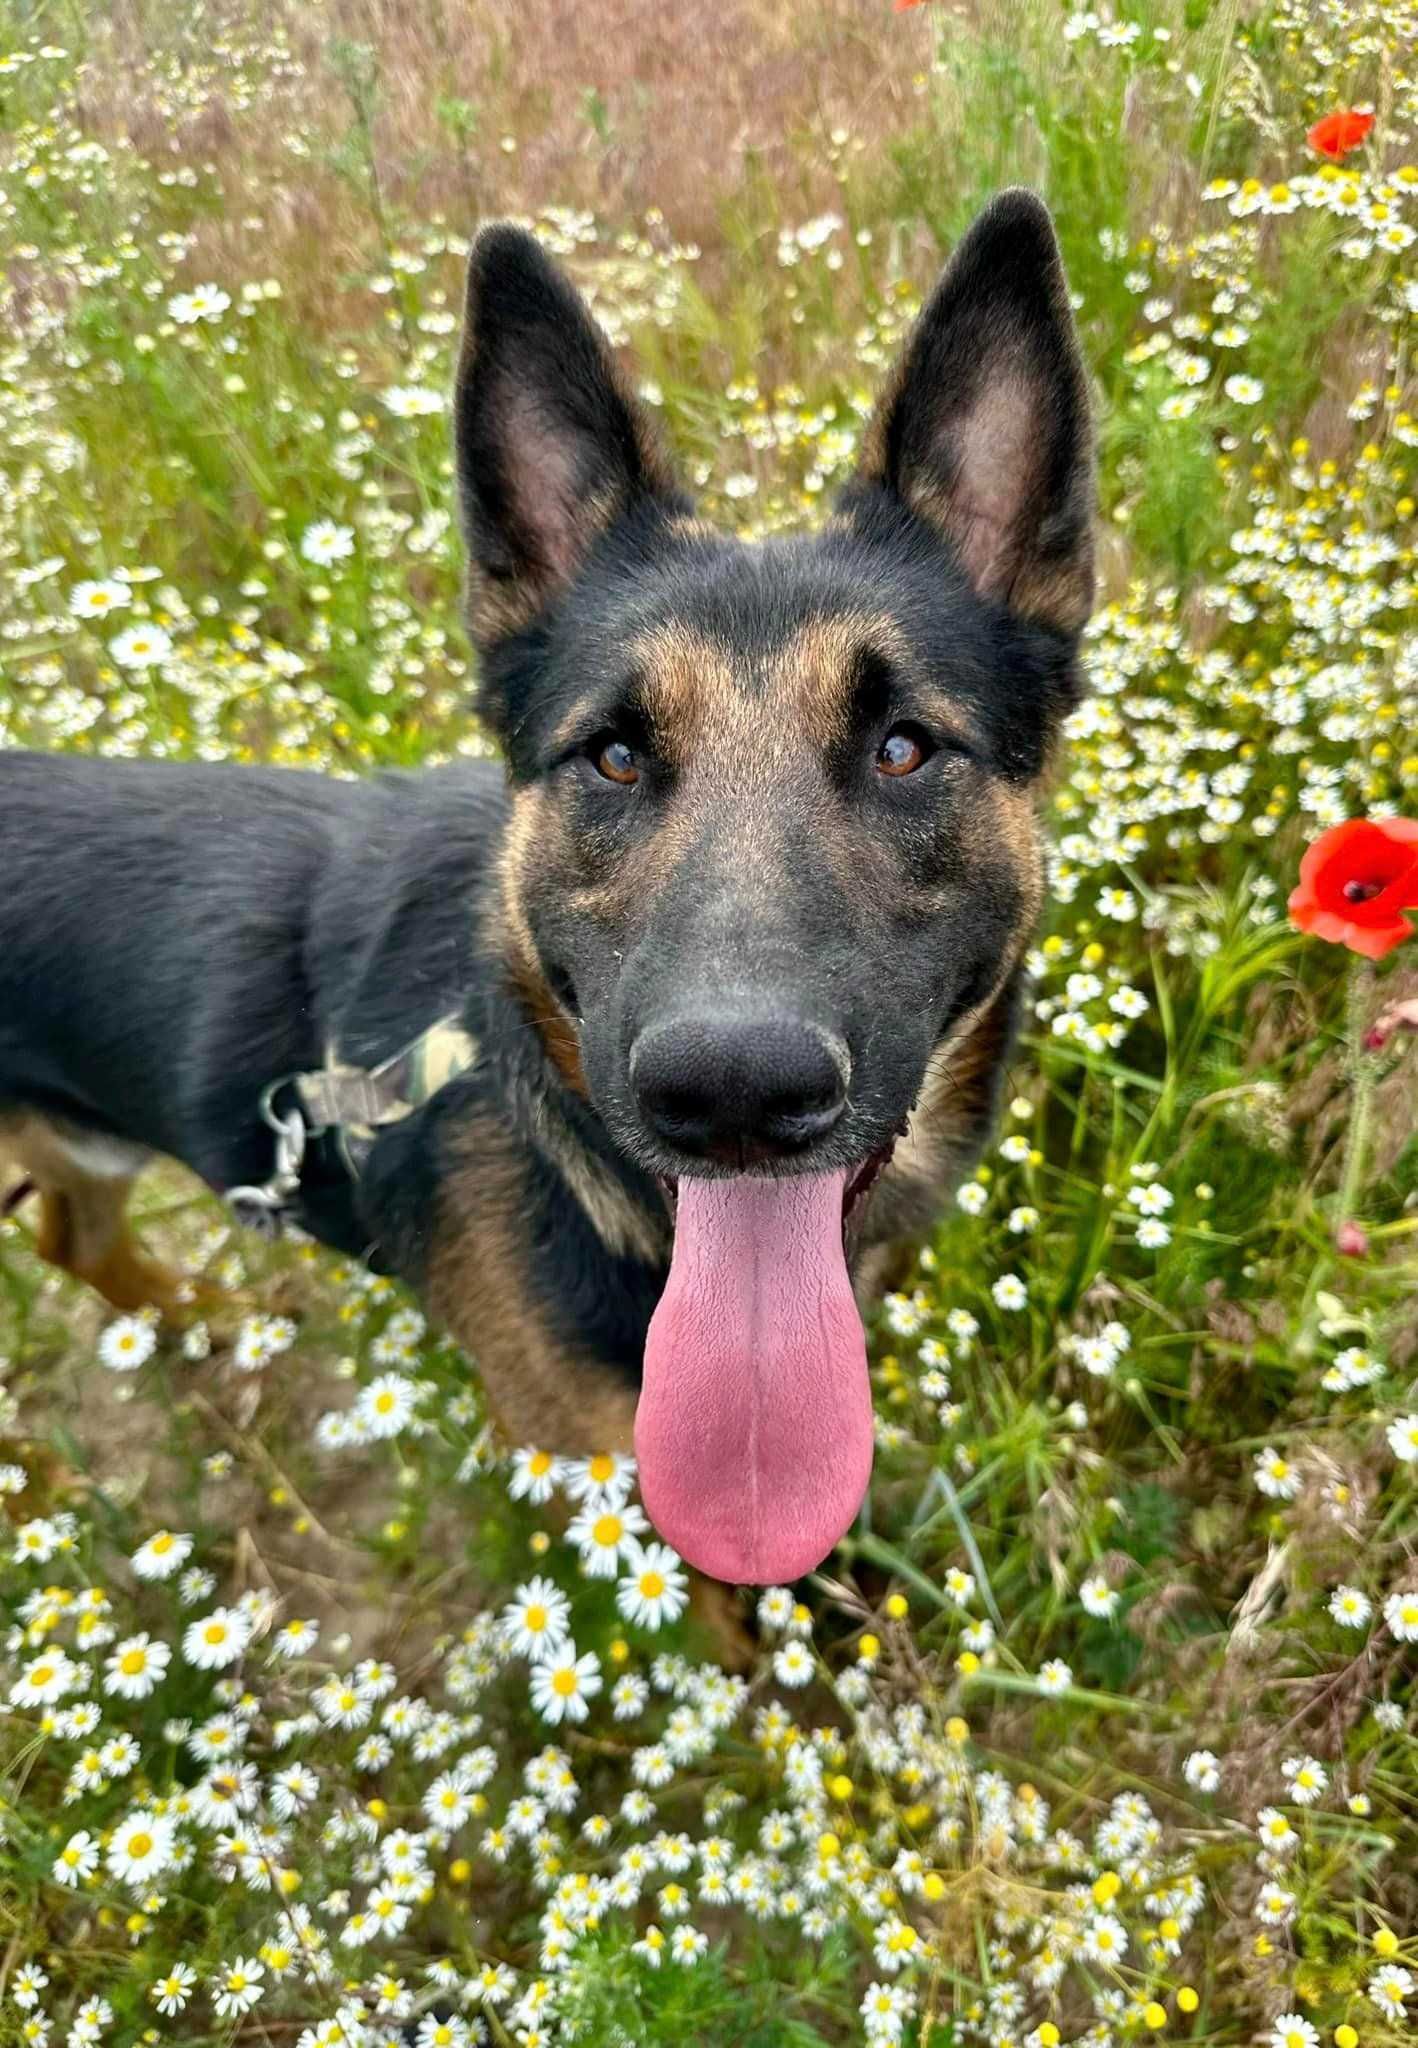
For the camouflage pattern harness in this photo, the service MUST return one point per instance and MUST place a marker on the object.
(353, 1104)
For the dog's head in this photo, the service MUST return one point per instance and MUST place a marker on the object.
(773, 839)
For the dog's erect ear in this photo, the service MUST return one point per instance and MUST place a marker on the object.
(550, 448)
(984, 431)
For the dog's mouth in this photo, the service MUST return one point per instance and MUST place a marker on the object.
(754, 1429)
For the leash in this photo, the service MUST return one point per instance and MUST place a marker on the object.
(354, 1104)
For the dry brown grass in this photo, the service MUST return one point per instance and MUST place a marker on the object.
(696, 108)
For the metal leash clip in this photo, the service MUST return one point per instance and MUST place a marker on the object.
(267, 1206)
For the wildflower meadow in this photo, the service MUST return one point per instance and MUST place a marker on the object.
(325, 1718)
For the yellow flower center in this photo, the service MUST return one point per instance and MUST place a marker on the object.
(564, 1682)
(651, 1585)
(132, 1662)
(140, 1845)
(607, 1530)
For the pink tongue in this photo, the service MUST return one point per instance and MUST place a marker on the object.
(754, 1430)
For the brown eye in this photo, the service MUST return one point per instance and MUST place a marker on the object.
(616, 761)
(901, 752)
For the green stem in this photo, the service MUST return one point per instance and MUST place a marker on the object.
(1362, 1073)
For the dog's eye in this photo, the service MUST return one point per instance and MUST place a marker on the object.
(903, 751)
(617, 762)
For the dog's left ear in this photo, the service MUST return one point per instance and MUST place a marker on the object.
(550, 447)
(984, 431)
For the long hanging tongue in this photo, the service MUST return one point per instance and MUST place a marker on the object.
(754, 1429)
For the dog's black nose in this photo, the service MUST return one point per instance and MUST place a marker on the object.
(739, 1088)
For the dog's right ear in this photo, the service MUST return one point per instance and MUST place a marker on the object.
(550, 447)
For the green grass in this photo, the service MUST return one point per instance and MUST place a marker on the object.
(1051, 1497)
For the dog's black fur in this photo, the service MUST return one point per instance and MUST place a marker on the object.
(705, 857)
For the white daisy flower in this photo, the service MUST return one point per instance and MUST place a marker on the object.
(141, 647)
(171, 1993)
(218, 1639)
(535, 1475)
(387, 1405)
(324, 542)
(562, 1685)
(1349, 1607)
(1403, 1439)
(1276, 1831)
(1097, 1596)
(1293, 2030)
(793, 1664)
(1401, 1614)
(1105, 1939)
(164, 1553)
(1276, 1476)
(535, 1622)
(46, 1679)
(412, 401)
(127, 1343)
(602, 1481)
(260, 1339)
(295, 1637)
(237, 1987)
(36, 1542)
(1390, 1987)
(141, 1846)
(204, 302)
(96, 599)
(656, 1590)
(135, 1667)
(77, 1860)
(605, 1536)
(1202, 1770)
(1307, 1778)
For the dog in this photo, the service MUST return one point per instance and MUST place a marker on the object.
(728, 948)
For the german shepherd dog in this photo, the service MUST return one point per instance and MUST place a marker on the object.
(734, 938)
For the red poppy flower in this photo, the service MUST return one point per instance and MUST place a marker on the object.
(1339, 132)
(904, 6)
(1356, 881)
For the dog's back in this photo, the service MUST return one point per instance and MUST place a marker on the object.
(309, 906)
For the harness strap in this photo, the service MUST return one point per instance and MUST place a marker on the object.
(353, 1103)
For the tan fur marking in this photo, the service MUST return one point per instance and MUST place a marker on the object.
(477, 1285)
(689, 686)
(687, 526)
(83, 1227)
(524, 843)
(815, 670)
(930, 1158)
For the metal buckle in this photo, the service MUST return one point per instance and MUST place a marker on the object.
(266, 1206)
